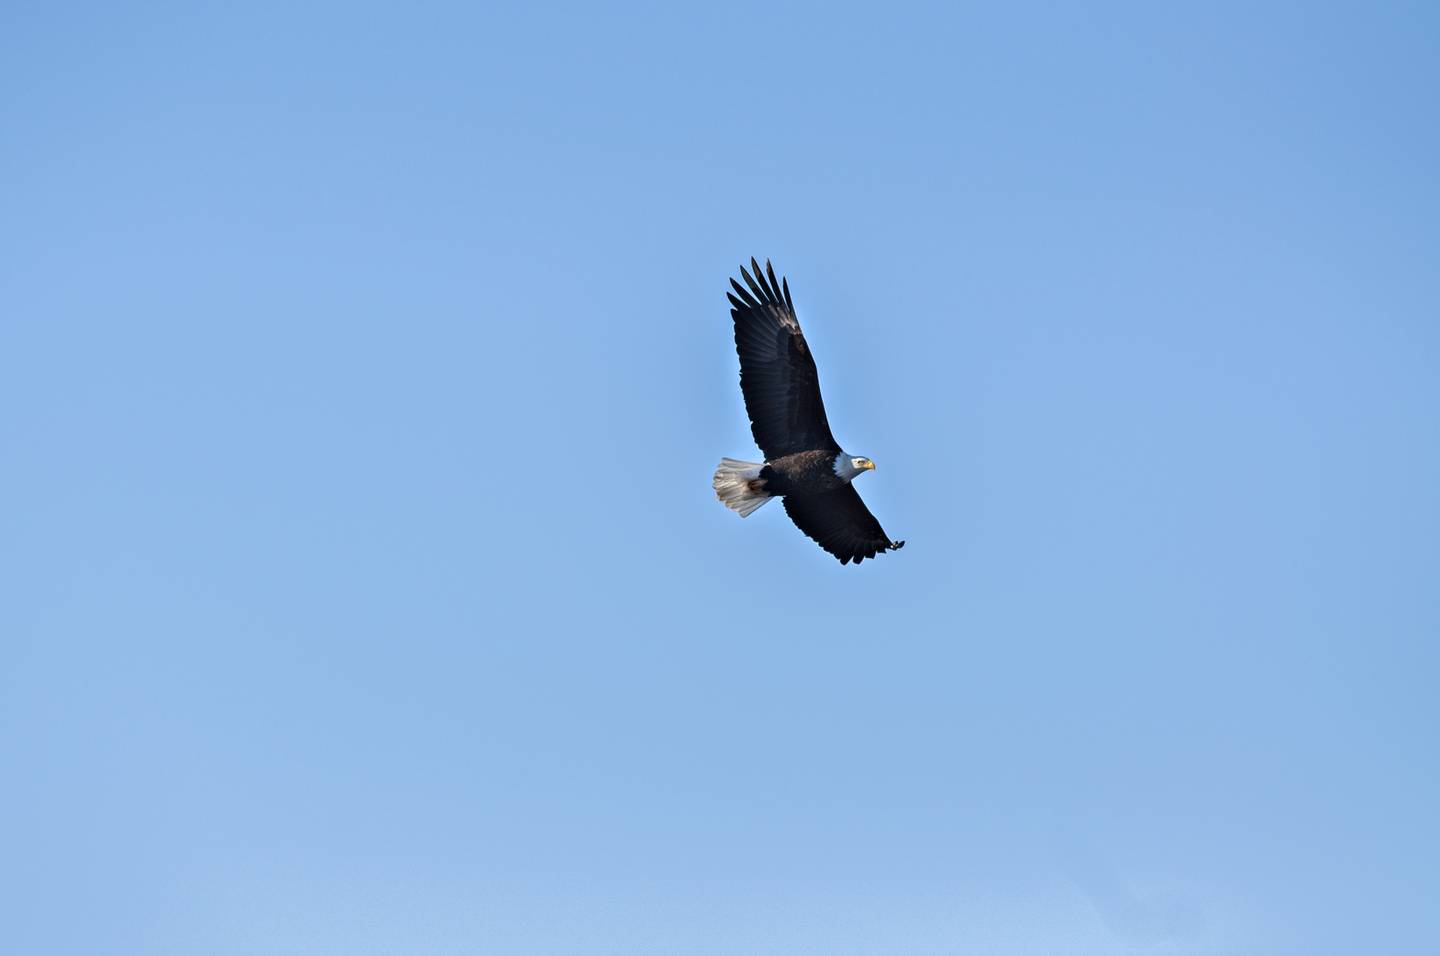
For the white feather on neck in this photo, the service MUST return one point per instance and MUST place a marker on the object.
(845, 467)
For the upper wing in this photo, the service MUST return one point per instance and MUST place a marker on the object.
(840, 523)
(777, 374)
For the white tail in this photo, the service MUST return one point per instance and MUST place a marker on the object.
(739, 486)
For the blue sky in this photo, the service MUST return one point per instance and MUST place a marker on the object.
(363, 368)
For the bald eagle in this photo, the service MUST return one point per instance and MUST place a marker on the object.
(803, 463)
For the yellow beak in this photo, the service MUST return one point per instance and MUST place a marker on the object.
(869, 466)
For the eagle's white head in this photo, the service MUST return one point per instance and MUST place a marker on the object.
(848, 466)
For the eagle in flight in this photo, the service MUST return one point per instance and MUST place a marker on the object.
(803, 463)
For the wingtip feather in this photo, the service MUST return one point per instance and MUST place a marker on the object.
(754, 285)
(749, 299)
(774, 285)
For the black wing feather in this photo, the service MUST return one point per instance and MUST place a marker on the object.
(774, 285)
(750, 300)
(777, 372)
(840, 523)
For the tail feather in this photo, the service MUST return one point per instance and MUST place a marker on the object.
(739, 486)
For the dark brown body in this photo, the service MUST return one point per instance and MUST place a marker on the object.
(805, 473)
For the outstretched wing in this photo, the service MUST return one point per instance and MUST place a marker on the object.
(777, 374)
(840, 523)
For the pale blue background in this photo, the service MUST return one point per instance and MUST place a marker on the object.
(363, 368)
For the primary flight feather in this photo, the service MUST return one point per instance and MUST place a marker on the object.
(803, 463)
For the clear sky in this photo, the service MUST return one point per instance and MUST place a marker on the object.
(362, 372)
